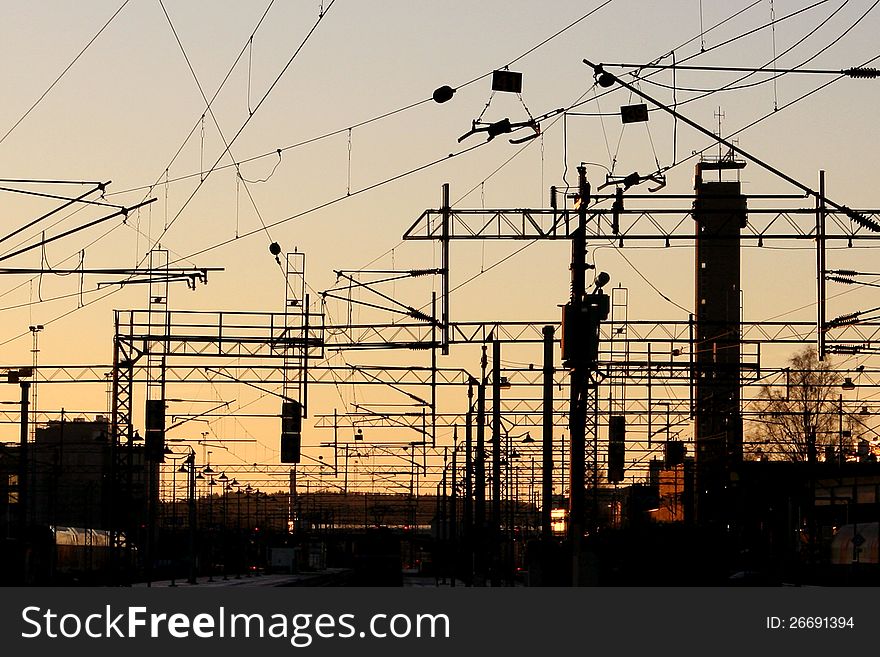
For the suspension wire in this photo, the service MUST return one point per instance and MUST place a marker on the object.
(674, 107)
(348, 185)
(250, 60)
(702, 32)
(66, 69)
(773, 39)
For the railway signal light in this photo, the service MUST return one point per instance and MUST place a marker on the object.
(291, 431)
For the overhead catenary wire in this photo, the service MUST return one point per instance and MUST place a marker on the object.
(247, 120)
(722, 44)
(603, 5)
(861, 72)
(378, 117)
(63, 72)
(149, 188)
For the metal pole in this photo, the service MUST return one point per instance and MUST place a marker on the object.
(305, 360)
(578, 387)
(863, 221)
(292, 495)
(650, 403)
(547, 438)
(692, 349)
(453, 509)
(433, 371)
(335, 443)
(820, 266)
(496, 463)
(23, 483)
(444, 264)
(469, 484)
(191, 492)
(480, 476)
(173, 521)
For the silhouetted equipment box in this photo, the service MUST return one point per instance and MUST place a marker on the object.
(155, 430)
(291, 431)
(510, 81)
(673, 453)
(580, 329)
(616, 447)
(634, 113)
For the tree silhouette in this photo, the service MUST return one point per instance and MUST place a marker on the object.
(803, 416)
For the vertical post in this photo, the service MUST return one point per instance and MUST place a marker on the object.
(444, 264)
(305, 359)
(480, 475)
(335, 443)
(469, 484)
(345, 481)
(496, 462)
(23, 483)
(578, 386)
(433, 370)
(453, 509)
(444, 515)
(292, 501)
(692, 345)
(650, 404)
(173, 519)
(547, 438)
(820, 267)
(191, 501)
(35, 350)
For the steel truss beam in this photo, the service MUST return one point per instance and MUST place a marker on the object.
(630, 225)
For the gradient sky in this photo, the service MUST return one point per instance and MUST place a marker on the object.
(125, 107)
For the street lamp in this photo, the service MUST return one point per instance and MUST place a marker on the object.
(248, 490)
(223, 479)
(174, 470)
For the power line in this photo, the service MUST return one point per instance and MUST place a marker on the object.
(370, 120)
(61, 75)
(248, 119)
(228, 146)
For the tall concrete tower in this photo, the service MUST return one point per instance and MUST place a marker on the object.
(720, 214)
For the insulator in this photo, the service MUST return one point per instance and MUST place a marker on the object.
(417, 314)
(442, 94)
(861, 72)
(606, 79)
(862, 220)
(844, 319)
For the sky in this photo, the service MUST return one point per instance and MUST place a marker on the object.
(131, 110)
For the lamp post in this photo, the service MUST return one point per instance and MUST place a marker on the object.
(183, 470)
(234, 484)
(196, 479)
(210, 528)
(223, 479)
(248, 490)
(193, 519)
